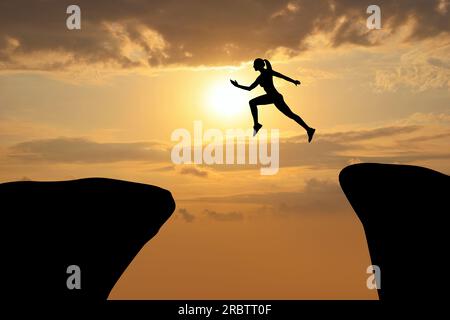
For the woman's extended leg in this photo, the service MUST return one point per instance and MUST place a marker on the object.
(284, 108)
(264, 99)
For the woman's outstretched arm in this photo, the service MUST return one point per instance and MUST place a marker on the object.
(249, 88)
(282, 76)
(279, 75)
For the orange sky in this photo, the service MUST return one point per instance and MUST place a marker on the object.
(72, 108)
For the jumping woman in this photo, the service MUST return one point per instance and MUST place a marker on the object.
(272, 95)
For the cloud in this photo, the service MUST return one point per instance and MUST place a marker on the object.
(390, 144)
(15, 130)
(317, 196)
(395, 64)
(224, 216)
(423, 67)
(311, 75)
(194, 171)
(420, 137)
(355, 136)
(439, 63)
(141, 33)
(68, 150)
(211, 214)
(163, 168)
(442, 6)
(289, 9)
(427, 119)
(424, 138)
(403, 143)
(386, 144)
(186, 215)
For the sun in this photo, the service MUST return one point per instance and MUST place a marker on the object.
(225, 100)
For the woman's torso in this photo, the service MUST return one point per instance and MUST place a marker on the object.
(266, 82)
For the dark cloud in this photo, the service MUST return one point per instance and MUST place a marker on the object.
(194, 171)
(125, 34)
(86, 151)
(186, 215)
(439, 63)
(224, 216)
(163, 168)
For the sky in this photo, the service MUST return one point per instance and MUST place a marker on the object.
(104, 101)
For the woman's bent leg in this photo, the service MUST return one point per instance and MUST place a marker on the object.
(264, 99)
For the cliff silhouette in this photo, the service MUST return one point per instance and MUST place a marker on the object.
(402, 209)
(97, 224)
(101, 224)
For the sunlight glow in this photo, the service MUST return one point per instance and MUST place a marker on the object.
(225, 100)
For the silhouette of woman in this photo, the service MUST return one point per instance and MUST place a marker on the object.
(265, 80)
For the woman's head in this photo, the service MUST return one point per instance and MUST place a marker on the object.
(258, 64)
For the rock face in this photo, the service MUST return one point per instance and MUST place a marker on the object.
(403, 209)
(96, 224)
